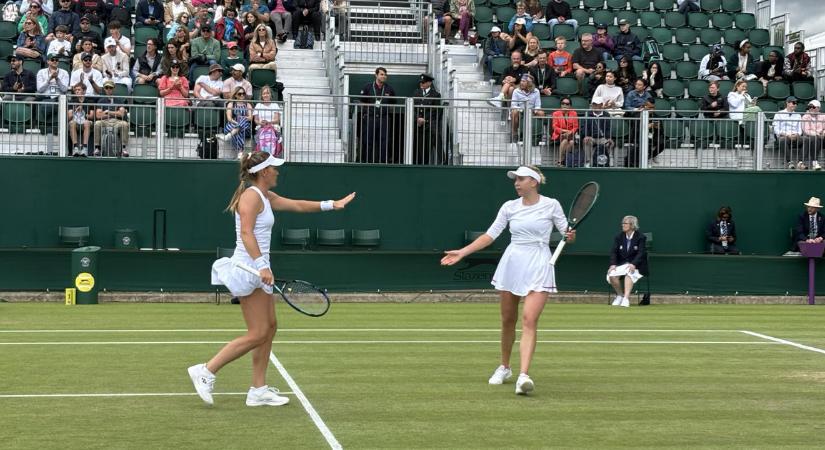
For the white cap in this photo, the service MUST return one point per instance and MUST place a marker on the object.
(271, 161)
(524, 172)
(815, 103)
(238, 67)
(521, 21)
(495, 30)
(109, 41)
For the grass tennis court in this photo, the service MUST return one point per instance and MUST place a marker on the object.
(415, 376)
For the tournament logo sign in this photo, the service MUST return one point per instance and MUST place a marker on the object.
(85, 261)
(84, 282)
(476, 269)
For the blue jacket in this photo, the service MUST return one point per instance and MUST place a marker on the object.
(143, 12)
(635, 254)
(803, 226)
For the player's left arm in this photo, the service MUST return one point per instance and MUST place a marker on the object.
(279, 203)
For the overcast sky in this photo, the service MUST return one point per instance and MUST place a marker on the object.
(808, 15)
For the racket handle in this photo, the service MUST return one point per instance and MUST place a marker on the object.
(557, 253)
(246, 268)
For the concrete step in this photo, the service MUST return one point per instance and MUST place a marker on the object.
(313, 98)
(307, 62)
(314, 121)
(490, 160)
(317, 157)
(310, 146)
(319, 135)
(298, 73)
(307, 90)
(295, 81)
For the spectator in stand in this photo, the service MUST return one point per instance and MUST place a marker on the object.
(339, 11)
(88, 76)
(713, 66)
(150, 13)
(636, 101)
(531, 52)
(565, 124)
(30, 43)
(229, 28)
(560, 60)
(172, 54)
(813, 132)
(181, 40)
(770, 70)
(123, 43)
(232, 57)
(307, 12)
(798, 64)
(95, 9)
(120, 10)
(544, 75)
(558, 11)
(281, 19)
(625, 74)
(206, 50)
(236, 81)
(687, 6)
(714, 105)
(721, 233)
(250, 22)
(521, 13)
(510, 79)
(655, 78)
(208, 88)
(66, 17)
(463, 11)
(495, 45)
(87, 33)
(742, 65)
(221, 7)
(174, 87)
(257, 8)
(202, 17)
(116, 65)
(173, 9)
(19, 80)
(810, 224)
(739, 99)
(147, 68)
(536, 11)
(266, 113)
(519, 37)
(585, 59)
(52, 80)
(47, 6)
(603, 42)
(627, 43)
(182, 24)
(596, 78)
(525, 96)
(238, 120)
(37, 15)
(262, 51)
(59, 45)
(596, 139)
(787, 125)
(111, 113)
(612, 96)
(81, 115)
(87, 48)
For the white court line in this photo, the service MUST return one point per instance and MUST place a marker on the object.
(333, 443)
(369, 330)
(136, 394)
(785, 342)
(382, 342)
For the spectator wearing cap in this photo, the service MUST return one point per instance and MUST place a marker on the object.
(813, 132)
(147, 68)
(209, 88)
(19, 80)
(172, 53)
(519, 36)
(25, 5)
(687, 6)
(116, 64)
(603, 42)
(123, 43)
(235, 81)
(565, 124)
(229, 28)
(495, 45)
(742, 65)
(544, 77)
(525, 96)
(36, 13)
(111, 113)
(798, 64)
(87, 33)
(150, 13)
(88, 76)
(595, 135)
(173, 9)
(30, 43)
(95, 9)
(280, 14)
(60, 45)
(463, 11)
(810, 225)
(713, 66)
(232, 56)
(307, 12)
(428, 114)
(627, 43)
(66, 17)
(787, 125)
(87, 48)
(206, 50)
(52, 80)
(558, 11)
(559, 59)
(174, 87)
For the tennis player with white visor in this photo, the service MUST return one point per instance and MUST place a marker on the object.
(524, 269)
(252, 205)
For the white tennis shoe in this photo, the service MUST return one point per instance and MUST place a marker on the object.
(524, 385)
(265, 396)
(617, 301)
(625, 302)
(501, 375)
(204, 382)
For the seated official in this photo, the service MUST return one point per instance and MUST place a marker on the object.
(721, 233)
(810, 226)
(628, 248)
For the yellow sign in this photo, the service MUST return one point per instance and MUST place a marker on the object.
(84, 282)
(70, 296)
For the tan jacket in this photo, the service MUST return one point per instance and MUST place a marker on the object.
(167, 11)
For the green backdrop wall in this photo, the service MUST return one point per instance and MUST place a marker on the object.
(404, 85)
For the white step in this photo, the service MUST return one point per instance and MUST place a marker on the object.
(318, 135)
(298, 72)
(307, 62)
(312, 98)
(308, 90)
(305, 81)
(309, 146)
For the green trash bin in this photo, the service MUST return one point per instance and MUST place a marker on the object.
(126, 239)
(84, 274)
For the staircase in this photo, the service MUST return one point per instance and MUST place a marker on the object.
(386, 32)
(313, 134)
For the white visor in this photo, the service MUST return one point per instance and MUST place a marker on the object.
(271, 161)
(524, 172)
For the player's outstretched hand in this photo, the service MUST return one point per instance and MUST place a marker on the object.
(451, 257)
(341, 204)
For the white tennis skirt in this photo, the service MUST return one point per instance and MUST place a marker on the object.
(524, 269)
(239, 282)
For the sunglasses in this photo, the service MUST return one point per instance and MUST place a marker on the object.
(565, 103)
(108, 87)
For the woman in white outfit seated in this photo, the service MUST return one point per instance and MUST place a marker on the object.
(524, 269)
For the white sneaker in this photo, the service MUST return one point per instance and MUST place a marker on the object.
(801, 166)
(815, 165)
(524, 385)
(501, 375)
(625, 302)
(265, 396)
(617, 301)
(221, 136)
(203, 380)
(495, 102)
(791, 165)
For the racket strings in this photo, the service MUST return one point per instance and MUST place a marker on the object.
(584, 201)
(305, 297)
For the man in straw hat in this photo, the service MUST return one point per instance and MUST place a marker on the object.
(811, 225)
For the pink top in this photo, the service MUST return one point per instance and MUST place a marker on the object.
(813, 124)
(279, 6)
(175, 97)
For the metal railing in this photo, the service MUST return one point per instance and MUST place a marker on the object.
(384, 31)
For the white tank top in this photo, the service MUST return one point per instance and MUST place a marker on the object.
(262, 231)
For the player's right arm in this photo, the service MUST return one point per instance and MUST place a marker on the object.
(453, 256)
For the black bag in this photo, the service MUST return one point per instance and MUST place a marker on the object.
(601, 157)
(645, 299)
(208, 147)
(305, 38)
(574, 158)
(279, 90)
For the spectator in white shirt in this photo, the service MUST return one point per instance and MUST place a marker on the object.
(525, 96)
(52, 80)
(713, 66)
(116, 64)
(208, 88)
(88, 76)
(611, 95)
(266, 112)
(787, 126)
(60, 45)
(813, 132)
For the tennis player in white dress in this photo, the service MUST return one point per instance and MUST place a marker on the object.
(524, 269)
(252, 206)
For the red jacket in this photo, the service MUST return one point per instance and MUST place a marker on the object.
(220, 28)
(564, 120)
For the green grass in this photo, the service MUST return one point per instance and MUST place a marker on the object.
(655, 389)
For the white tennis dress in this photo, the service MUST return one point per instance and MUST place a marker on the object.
(525, 265)
(239, 282)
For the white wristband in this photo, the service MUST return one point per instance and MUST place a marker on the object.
(261, 263)
(327, 205)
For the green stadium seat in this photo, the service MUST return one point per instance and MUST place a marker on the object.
(567, 86)
(541, 31)
(769, 107)
(504, 14)
(640, 5)
(483, 15)
(573, 3)
(766, 51)
(6, 50)
(638, 67)
(711, 5)
(331, 238)
(702, 132)
(673, 89)
(673, 52)
(759, 37)
(47, 118)
(674, 19)
(142, 120)
(664, 5)
(207, 120)
(661, 35)
(18, 116)
(33, 65)
(674, 131)
(630, 16)
(778, 90)
(697, 88)
(142, 34)
(650, 19)
(262, 77)
(585, 29)
(728, 132)
(547, 44)
(686, 35)
(728, 51)
(744, 21)
(550, 102)
(177, 121)
(593, 4)
(501, 3)
(686, 107)
(295, 236)
(698, 20)
(76, 236)
(617, 4)
(666, 69)
(756, 89)
(641, 32)
(733, 35)
(611, 64)
(500, 64)
(8, 31)
(710, 36)
(580, 103)
(725, 86)
(613, 30)
(483, 29)
(471, 236)
(564, 30)
(121, 91)
(804, 90)
(603, 16)
(733, 6)
(663, 108)
(571, 46)
(145, 93)
(619, 130)
(366, 238)
(696, 52)
(581, 16)
(722, 21)
(687, 70)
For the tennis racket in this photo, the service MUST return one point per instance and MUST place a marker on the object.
(302, 296)
(583, 203)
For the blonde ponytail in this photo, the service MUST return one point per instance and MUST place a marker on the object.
(248, 160)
